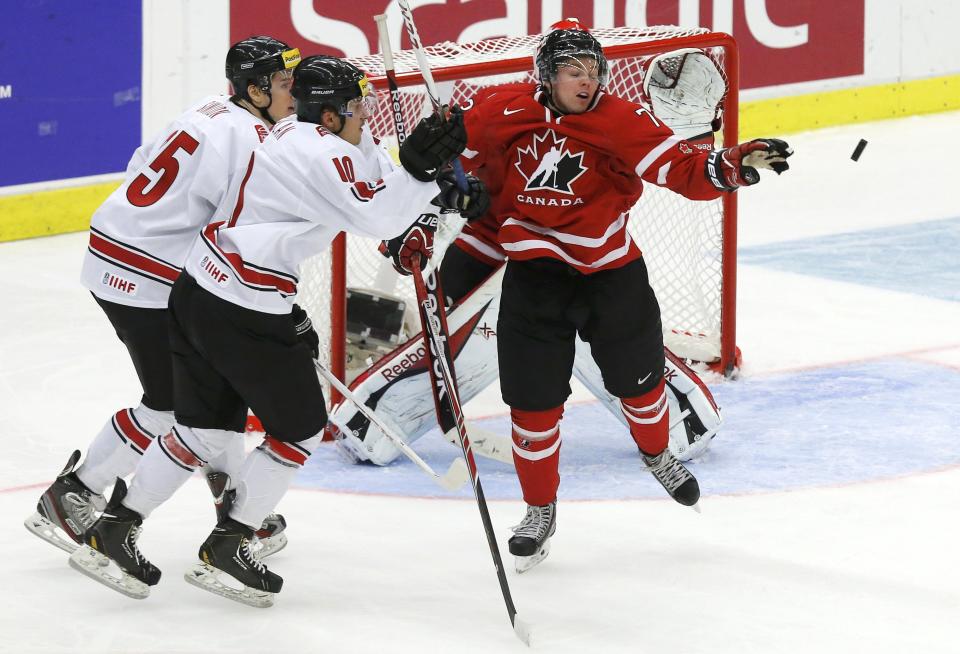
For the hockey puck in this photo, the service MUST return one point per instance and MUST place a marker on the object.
(858, 150)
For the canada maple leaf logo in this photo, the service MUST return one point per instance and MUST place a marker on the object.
(548, 165)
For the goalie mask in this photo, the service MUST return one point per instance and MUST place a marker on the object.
(254, 61)
(323, 83)
(568, 41)
(685, 89)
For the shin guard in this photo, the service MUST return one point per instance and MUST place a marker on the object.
(266, 475)
(536, 453)
(648, 418)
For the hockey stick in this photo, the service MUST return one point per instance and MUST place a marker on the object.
(387, 52)
(455, 476)
(450, 415)
(425, 71)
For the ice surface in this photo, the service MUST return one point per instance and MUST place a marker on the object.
(830, 512)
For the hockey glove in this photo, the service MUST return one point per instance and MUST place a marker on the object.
(730, 168)
(471, 204)
(432, 144)
(417, 239)
(305, 331)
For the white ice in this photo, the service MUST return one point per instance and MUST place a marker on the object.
(865, 563)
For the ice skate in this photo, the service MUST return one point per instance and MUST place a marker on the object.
(229, 568)
(65, 510)
(269, 539)
(676, 479)
(110, 555)
(530, 543)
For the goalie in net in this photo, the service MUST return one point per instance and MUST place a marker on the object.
(683, 88)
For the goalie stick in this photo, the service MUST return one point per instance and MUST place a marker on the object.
(455, 476)
(450, 416)
(425, 71)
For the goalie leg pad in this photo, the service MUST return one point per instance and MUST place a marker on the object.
(691, 398)
(398, 386)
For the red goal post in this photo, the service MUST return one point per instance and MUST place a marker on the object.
(689, 247)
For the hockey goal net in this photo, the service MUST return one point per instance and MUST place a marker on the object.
(689, 247)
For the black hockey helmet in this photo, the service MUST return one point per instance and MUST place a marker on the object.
(568, 39)
(255, 60)
(323, 82)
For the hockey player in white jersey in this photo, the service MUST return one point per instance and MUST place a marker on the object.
(138, 240)
(235, 346)
(685, 89)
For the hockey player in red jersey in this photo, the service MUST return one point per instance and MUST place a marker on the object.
(685, 89)
(138, 240)
(564, 162)
(233, 340)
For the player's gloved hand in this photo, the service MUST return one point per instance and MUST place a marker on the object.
(471, 204)
(433, 143)
(730, 168)
(417, 239)
(305, 330)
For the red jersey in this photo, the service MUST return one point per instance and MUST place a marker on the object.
(562, 186)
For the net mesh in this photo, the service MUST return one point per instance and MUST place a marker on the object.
(682, 240)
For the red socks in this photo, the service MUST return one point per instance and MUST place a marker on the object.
(536, 453)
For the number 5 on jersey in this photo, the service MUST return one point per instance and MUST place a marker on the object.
(167, 165)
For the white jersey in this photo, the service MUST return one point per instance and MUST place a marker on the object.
(303, 187)
(140, 235)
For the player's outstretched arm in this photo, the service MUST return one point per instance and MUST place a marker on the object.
(730, 168)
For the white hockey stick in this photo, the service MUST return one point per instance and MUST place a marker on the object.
(456, 475)
(427, 74)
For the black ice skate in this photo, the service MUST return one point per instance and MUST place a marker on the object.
(113, 539)
(269, 538)
(229, 568)
(65, 510)
(676, 479)
(530, 543)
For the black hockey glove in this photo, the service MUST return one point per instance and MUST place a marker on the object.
(305, 330)
(730, 168)
(471, 204)
(432, 144)
(417, 239)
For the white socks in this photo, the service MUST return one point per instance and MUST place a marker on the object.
(116, 450)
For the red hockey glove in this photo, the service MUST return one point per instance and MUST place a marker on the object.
(417, 239)
(471, 204)
(730, 168)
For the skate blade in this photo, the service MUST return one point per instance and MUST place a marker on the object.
(48, 531)
(208, 578)
(523, 563)
(269, 546)
(101, 569)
